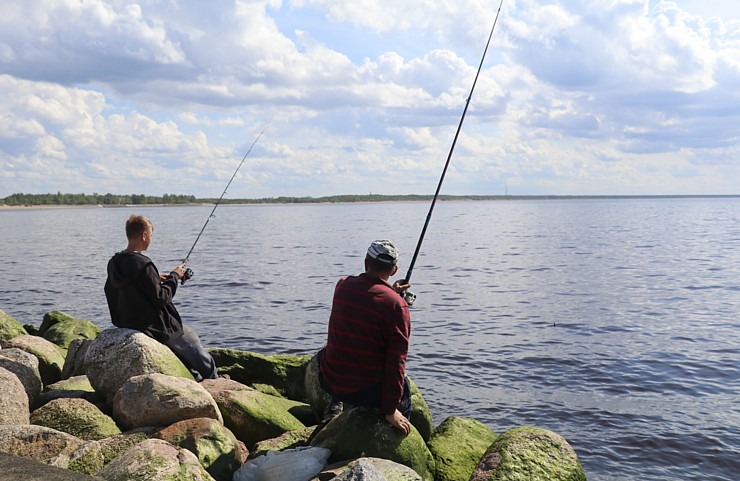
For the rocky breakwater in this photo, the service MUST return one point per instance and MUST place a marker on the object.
(118, 406)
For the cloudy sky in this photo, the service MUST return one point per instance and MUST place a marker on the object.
(575, 97)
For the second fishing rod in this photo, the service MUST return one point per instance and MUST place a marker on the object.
(189, 272)
(408, 295)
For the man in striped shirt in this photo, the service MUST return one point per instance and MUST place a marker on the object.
(364, 362)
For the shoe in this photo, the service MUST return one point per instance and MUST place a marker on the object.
(333, 410)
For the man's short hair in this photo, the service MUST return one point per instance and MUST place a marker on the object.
(136, 225)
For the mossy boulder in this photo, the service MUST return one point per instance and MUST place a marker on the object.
(457, 446)
(52, 447)
(314, 394)
(371, 469)
(285, 372)
(119, 354)
(528, 453)
(61, 328)
(216, 447)
(155, 460)
(114, 446)
(10, 327)
(51, 359)
(76, 417)
(364, 431)
(77, 387)
(421, 415)
(289, 440)
(254, 416)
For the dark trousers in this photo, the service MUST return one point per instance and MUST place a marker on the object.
(371, 396)
(188, 348)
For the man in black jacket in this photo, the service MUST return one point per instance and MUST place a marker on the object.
(140, 298)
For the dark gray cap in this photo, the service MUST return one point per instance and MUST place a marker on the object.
(383, 251)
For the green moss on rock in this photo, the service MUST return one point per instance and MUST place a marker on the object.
(529, 453)
(10, 327)
(77, 417)
(364, 431)
(457, 446)
(62, 329)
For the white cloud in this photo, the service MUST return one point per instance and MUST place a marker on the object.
(576, 96)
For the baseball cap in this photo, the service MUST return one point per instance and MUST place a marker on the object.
(383, 251)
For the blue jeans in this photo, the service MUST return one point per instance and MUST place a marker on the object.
(189, 350)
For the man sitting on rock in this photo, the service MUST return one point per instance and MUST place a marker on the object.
(140, 298)
(364, 362)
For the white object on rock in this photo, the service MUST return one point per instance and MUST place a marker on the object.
(299, 464)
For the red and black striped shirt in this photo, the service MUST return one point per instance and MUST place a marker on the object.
(368, 340)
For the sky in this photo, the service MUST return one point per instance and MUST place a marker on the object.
(574, 97)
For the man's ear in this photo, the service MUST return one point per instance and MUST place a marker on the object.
(395, 269)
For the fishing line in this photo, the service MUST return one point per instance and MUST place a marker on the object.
(189, 272)
(409, 296)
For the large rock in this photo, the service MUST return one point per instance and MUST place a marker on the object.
(216, 447)
(74, 362)
(78, 387)
(26, 367)
(315, 395)
(114, 446)
(52, 447)
(119, 354)
(161, 400)
(285, 372)
(62, 329)
(372, 469)
(76, 417)
(364, 431)
(155, 460)
(457, 446)
(14, 408)
(49, 355)
(10, 327)
(289, 440)
(421, 415)
(529, 453)
(16, 468)
(254, 416)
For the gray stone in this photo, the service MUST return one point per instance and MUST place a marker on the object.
(16, 468)
(119, 354)
(14, 408)
(26, 366)
(161, 400)
(49, 355)
(155, 460)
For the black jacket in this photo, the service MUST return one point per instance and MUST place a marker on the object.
(138, 299)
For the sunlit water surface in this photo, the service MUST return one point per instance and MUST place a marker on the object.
(614, 323)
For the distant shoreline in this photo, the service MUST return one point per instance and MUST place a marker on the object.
(351, 199)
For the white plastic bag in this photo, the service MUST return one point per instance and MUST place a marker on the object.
(299, 464)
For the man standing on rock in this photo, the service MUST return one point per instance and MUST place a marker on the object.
(140, 298)
(364, 362)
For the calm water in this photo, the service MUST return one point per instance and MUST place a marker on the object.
(612, 322)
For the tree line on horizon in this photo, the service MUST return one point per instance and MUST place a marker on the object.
(110, 200)
(59, 198)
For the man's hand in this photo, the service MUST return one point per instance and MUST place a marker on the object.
(401, 285)
(179, 270)
(398, 421)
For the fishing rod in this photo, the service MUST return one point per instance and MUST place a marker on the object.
(410, 296)
(189, 272)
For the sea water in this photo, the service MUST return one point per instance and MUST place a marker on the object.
(613, 322)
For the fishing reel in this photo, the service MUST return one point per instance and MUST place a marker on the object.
(409, 297)
(186, 275)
